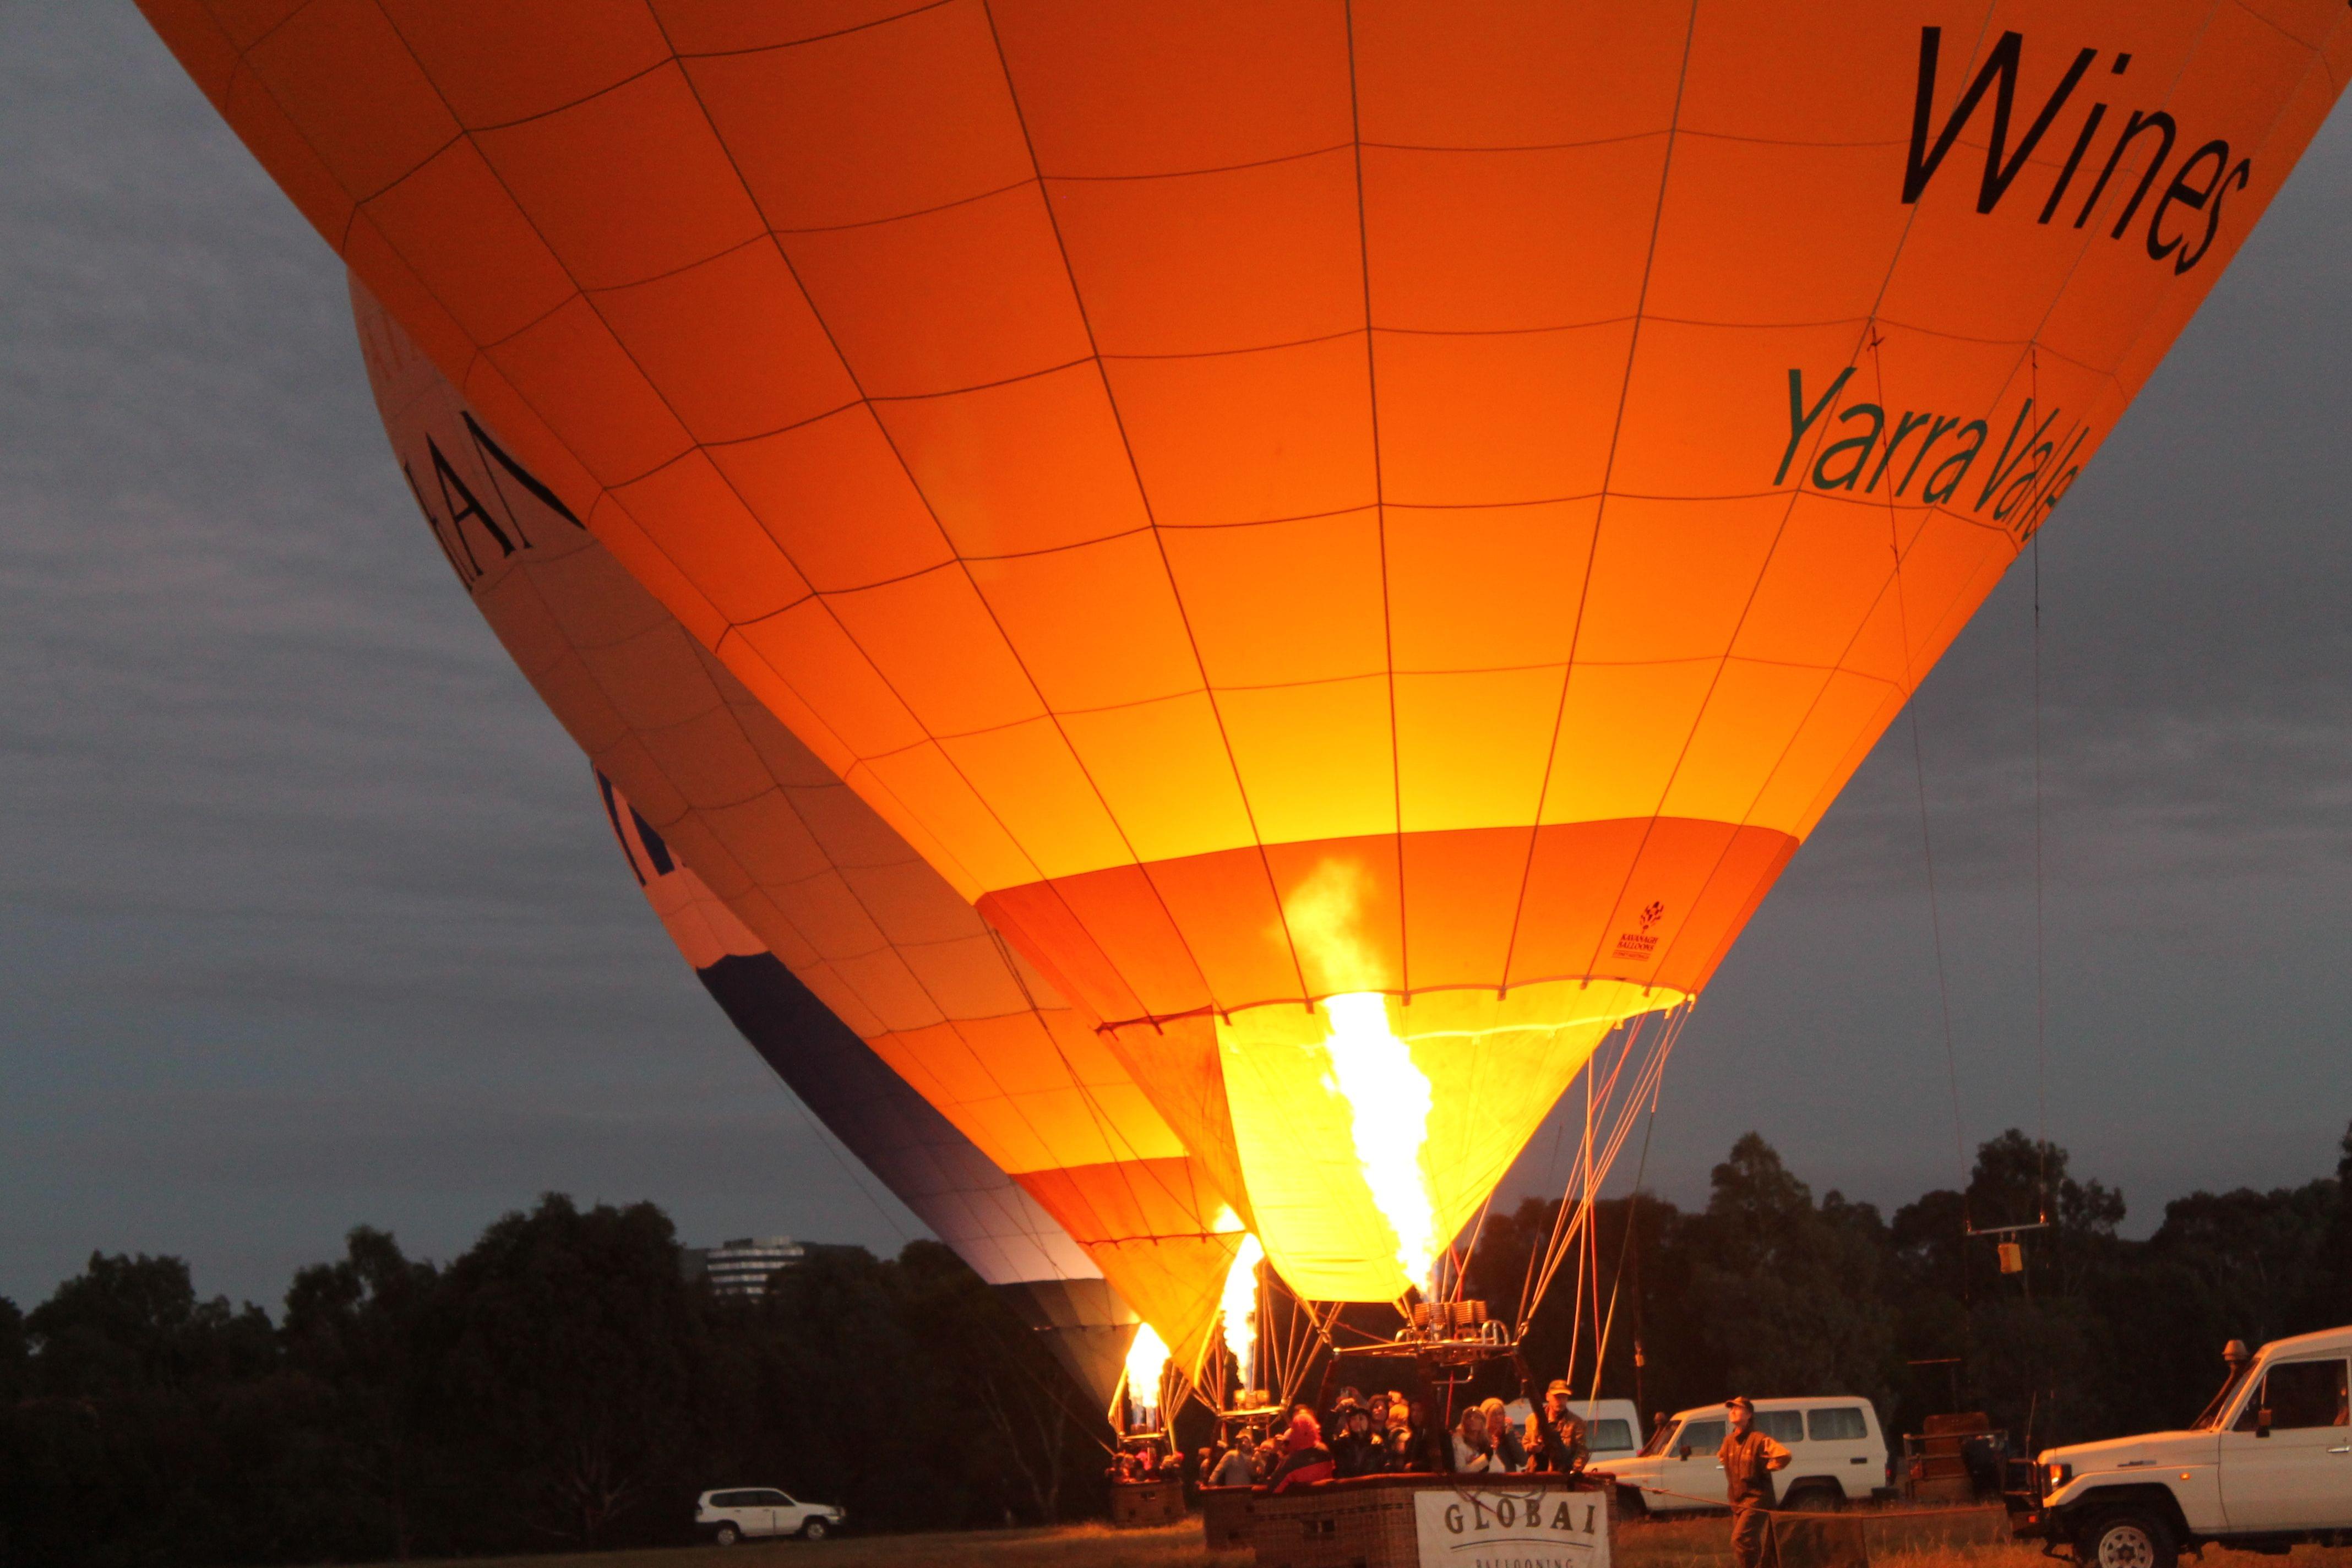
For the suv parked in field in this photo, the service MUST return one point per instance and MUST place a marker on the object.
(728, 1517)
(1613, 1429)
(2268, 1465)
(1837, 1456)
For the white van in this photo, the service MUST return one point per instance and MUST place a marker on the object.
(1613, 1429)
(1838, 1456)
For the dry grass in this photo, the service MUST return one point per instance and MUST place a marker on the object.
(1069, 1546)
(1900, 1538)
(1943, 1539)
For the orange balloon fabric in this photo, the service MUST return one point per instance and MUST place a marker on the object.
(818, 879)
(1286, 503)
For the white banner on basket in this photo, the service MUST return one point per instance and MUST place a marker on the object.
(1495, 1527)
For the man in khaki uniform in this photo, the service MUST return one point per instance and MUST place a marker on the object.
(1749, 1458)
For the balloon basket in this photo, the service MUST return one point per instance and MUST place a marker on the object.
(1141, 1505)
(1226, 1518)
(1429, 1522)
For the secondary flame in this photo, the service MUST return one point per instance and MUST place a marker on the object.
(1240, 1303)
(1389, 1103)
(1146, 1358)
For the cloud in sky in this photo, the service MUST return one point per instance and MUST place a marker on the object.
(307, 917)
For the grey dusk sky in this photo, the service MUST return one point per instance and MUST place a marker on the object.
(309, 918)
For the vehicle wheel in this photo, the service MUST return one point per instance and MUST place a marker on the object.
(814, 1530)
(1815, 1496)
(1625, 1504)
(727, 1535)
(2127, 1538)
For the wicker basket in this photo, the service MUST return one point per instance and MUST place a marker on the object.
(1226, 1518)
(1137, 1505)
(1366, 1522)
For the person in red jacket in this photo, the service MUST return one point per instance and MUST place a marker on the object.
(1306, 1460)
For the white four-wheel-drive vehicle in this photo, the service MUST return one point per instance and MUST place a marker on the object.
(728, 1517)
(1837, 1456)
(2267, 1466)
(1613, 1429)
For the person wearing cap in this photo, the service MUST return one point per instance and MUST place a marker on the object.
(1556, 1433)
(1355, 1451)
(1233, 1467)
(1749, 1458)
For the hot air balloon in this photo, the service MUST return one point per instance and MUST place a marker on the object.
(1361, 536)
(839, 900)
(953, 1188)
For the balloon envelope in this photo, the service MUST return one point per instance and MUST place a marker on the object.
(1317, 501)
(854, 914)
(953, 1188)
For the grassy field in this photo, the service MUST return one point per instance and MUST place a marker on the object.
(1975, 1539)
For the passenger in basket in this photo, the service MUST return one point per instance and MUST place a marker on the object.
(1396, 1437)
(1555, 1434)
(1233, 1467)
(1308, 1460)
(1354, 1450)
(1749, 1458)
(1402, 1441)
(1508, 1453)
(1335, 1426)
(1432, 1446)
(1474, 1452)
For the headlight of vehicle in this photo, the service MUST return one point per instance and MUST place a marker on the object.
(2055, 1475)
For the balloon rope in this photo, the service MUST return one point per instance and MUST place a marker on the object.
(1919, 778)
(1935, 931)
(1625, 1248)
(2041, 970)
(1567, 1215)
(1584, 1233)
(1580, 1213)
(1644, 1090)
(1571, 1214)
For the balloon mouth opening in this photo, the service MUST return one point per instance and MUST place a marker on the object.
(1239, 1303)
(1147, 1364)
(1367, 1126)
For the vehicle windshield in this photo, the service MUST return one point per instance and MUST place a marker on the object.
(2211, 1418)
(1662, 1438)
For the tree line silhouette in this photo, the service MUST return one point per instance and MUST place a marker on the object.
(561, 1384)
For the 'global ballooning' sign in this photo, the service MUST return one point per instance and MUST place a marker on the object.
(1487, 1528)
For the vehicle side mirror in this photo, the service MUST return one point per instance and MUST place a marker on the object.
(2263, 1422)
(1684, 1452)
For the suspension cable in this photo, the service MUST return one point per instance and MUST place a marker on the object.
(2040, 965)
(1919, 777)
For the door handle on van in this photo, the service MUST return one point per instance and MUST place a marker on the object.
(2345, 1450)
(1859, 1459)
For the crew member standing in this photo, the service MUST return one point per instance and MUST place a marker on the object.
(1555, 1433)
(1749, 1458)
